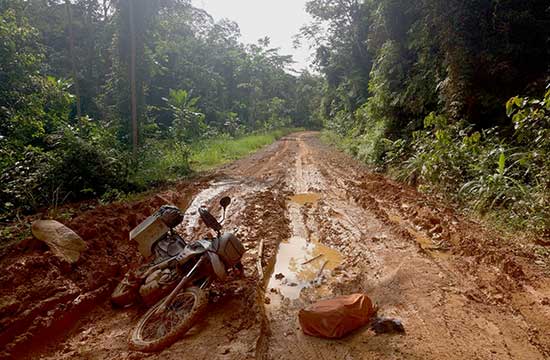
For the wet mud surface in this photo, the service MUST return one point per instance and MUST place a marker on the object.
(323, 225)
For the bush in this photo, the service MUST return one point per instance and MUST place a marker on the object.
(485, 170)
(70, 168)
(84, 169)
(159, 162)
(370, 145)
(24, 183)
(438, 156)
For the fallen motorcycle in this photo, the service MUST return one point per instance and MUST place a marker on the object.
(175, 281)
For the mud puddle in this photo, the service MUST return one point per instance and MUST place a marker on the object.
(191, 216)
(301, 259)
(299, 263)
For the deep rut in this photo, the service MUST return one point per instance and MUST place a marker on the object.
(404, 268)
(461, 292)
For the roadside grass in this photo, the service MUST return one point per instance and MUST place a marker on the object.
(163, 163)
(210, 153)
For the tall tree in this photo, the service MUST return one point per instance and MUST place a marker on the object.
(73, 58)
(133, 75)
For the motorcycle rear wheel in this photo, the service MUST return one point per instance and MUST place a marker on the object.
(157, 330)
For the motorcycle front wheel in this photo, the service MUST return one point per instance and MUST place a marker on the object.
(158, 329)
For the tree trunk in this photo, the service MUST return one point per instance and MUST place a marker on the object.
(133, 77)
(105, 9)
(73, 59)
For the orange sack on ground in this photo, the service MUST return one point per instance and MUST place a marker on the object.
(337, 317)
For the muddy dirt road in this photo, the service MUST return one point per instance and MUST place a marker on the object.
(328, 227)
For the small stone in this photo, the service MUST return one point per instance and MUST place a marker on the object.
(267, 300)
(279, 276)
(387, 326)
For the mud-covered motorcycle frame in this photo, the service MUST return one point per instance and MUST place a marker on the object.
(195, 267)
(212, 223)
(184, 282)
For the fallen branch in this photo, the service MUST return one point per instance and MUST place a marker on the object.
(312, 259)
(322, 268)
(259, 262)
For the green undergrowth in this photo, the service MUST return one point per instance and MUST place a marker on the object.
(500, 175)
(41, 181)
(168, 162)
(210, 153)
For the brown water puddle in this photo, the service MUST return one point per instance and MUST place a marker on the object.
(300, 262)
(191, 216)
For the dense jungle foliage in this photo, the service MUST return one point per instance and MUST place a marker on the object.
(102, 97)
(450, 95)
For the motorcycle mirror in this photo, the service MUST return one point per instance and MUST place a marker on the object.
(225, 201)
(209, 220)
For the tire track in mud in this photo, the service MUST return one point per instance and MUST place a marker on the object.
(400, 266)
(456, 287)
(235, 319)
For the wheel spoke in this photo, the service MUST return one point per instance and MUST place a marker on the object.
(159, 325)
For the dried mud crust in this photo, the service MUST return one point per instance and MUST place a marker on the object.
(461, 290)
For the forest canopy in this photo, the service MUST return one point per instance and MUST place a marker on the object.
(94, 92)
(103, 97)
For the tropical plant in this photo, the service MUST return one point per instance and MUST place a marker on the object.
(188, 121)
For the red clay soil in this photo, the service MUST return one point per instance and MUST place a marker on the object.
(462, 290)
(42, 295)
